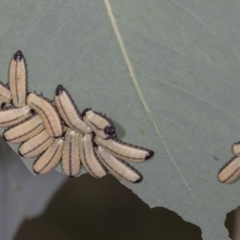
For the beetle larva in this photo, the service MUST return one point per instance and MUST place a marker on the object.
(24, 130)
(47, 112)
(88, 157)
(5, 94)
(18, 79)
(36, 145)
(117, 167)
(69, 112)
(100, 124)
(236, 148)
(124, 151)
(50, 158)
(230, 171)
(70, 157)
(12, 116)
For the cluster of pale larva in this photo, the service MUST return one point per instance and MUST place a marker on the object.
(60, 132)
(231, 171)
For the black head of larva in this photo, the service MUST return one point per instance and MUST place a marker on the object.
(149, 154)
(140, 179)
(18, 56)
(59, 90)
(111, 131)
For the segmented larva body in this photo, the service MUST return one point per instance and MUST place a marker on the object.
(69, 112)
(100, 124)
(90, 139)
(70, 157)
(89, 158)
(5, 94)
(12, 116)
(117, 167)
(24, 130)
(50, 158)
(231, 171)
(18, 79)
(47, 112)
(36, 145)
(123, 150)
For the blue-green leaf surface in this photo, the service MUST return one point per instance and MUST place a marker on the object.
(166, 72)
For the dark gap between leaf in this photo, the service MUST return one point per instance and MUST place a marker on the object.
(88, 208)
(232, 223)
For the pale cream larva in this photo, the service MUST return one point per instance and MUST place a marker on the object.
(117, 167)
(236, 148)
(124, 151)
(5, 94)
(24, 130)
(100, 124)
(50, 158)
(69, 112)
(47, 112)
(89, 158)
(230, 171)
(36, 145)
(12, 116)
(70, 157)
(18, 79)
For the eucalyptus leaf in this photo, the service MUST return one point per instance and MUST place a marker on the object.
(167, 74)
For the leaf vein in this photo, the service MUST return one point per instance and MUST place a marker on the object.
(135, 82)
